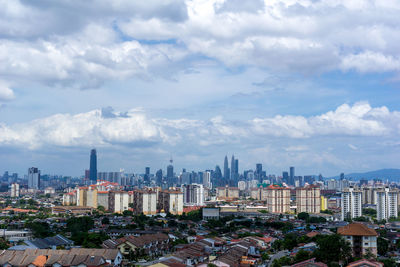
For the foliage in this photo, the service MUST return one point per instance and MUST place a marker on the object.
(369, 211)
(40, 229)
(3, 244)
(290, 241)
(316, 220)
(194, 215)
(327, 212)
(302, 255)
(105, 220)
(89, 240)
(383, 246)
(127, 213)
(332, 248)
(284, 261)
(361, 219)
(79, 224)
(303, 216)
(390, 262)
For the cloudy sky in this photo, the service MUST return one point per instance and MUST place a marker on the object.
(306, 83)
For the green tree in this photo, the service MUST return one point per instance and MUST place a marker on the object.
(388, 262)
(39, 229)
(80, 224)
(105, 220)
(303, 216)
(383, 246)
(290, 241)
(302, 255)
(332, 248)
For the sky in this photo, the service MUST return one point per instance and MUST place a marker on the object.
(305, 83)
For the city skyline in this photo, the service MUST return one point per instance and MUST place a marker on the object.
(198, 80)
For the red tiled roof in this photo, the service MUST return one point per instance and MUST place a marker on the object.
(357, 229)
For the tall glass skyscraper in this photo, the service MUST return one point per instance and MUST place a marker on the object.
(33, 178)
(226, 168)
(291, 182)
(93, 166)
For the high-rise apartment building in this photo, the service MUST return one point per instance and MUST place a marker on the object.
(308, 199)
(15, 190)
(170, 201)
(118, 201)
(193, 194)
(33, 178)
(207, 180)
(227, 193)
(144, 201)
(351, 203)
(278, 199)
(386, 204)
(93, 166)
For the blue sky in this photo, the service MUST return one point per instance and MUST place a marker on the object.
(311, 84)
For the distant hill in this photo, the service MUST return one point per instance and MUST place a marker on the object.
(384, 174)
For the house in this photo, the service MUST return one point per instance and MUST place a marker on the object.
(309, 263)
(148, 244)
(58, 258)
(362, 238)
(365, 263)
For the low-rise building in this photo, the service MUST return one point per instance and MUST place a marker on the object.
(362, 238)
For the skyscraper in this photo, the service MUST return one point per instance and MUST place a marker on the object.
(170, 174)
(258, 171)
(285, 177)
(291, 180)
(233, 172)
(236, 168)
(93, 166)
(147, 175)
(226, 169)
(159, 176)
(33, 178)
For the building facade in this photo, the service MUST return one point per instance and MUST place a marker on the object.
(308, 199)
(386, 204)
(361, 238)
(33, 178)
(278, 199)
(15, 192)
(351, 203)
(193, 195)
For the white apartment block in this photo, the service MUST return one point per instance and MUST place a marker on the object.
(193, 194)
(351, 203)
(118, 201)
(386, 204)
(15, 190)
(207, 180)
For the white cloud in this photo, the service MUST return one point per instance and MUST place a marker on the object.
(6, 93)
(94, 45)
(134, 128)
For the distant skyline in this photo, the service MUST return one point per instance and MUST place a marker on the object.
(310, 84)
